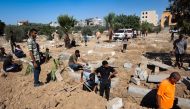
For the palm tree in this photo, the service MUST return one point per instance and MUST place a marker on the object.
(109, 19)
(67, 23)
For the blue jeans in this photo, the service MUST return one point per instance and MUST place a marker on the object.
(37, 71)
(75, 67)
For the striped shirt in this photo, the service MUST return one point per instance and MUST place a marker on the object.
(33, 46)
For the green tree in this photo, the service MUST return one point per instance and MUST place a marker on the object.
(87, 31)
(181, 14)
(18, 32)
(109, 19)
(145, 26)
(124, 21)
(2, 26)
(67, 23)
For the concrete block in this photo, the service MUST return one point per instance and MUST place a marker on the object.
(186, 81)
(135, 80)
(74, 75)
(114, 82)
(157, 78)
(159, 64)
(138, 90)
(185, 103)
(143, 76)
(115, 103)
(157, 69)
(58, 75)
(127, 65)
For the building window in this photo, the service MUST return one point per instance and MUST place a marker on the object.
(145, 16)
(142, 16)
(143, 13)
(146, 12)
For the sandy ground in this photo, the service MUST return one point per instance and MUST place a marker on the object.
(17, 91)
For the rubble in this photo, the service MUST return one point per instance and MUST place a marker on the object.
(115, 103)
(159, 64)
(143, 75)
(127, 65)
(135, 80)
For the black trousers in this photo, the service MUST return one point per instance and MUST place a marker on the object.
(179, 59)
(124, 46)
(105, 87)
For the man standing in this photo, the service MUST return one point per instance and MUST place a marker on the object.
(35, 56)
(166, 91)
(105, 73)
(180, 46)
(98, 36)
(12, 42)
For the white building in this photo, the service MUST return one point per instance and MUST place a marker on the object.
(150, 17)
(90, 22)
(54, 24)
(81, 23)
(24, 22)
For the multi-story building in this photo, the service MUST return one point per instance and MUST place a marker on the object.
(150, 17)
(54, 24)
(24, 22)
(90, 22)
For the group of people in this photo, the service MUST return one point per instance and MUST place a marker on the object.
(98, 79)
(91, 78)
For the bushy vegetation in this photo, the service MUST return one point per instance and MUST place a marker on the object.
(2, 26)
(180, 10)
(20, 32)
(145, 26)
(87, 31)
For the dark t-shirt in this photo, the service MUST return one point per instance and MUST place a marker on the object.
(105, 73)
(7, 63)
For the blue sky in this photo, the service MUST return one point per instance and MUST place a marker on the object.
(44, 11)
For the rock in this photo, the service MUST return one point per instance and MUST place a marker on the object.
(127, 65)
(114, 82)
(115, 103)
(135, 80)
(141, 74)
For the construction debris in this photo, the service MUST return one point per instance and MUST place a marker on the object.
(135, 80)
(159, 64)
(115, 103)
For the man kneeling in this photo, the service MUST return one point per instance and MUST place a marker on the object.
(10, 66)
(91, 79)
